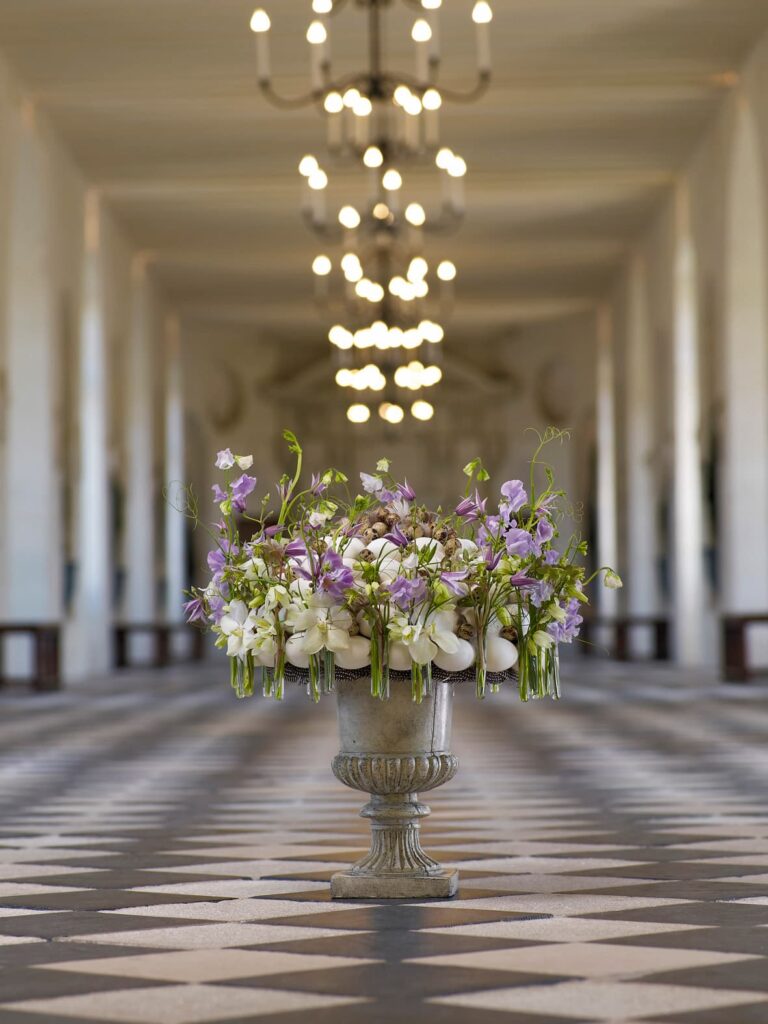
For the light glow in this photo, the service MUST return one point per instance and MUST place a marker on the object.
(432, 100)
(391, 413)
(260, 21)
(308, 165)
(446, 271)
(334, 103)
(318, 180)
(316, 33)
(422, 410)
(358, 413)
(392, 180)
(373, 157)
(414, 214)
(482, 13)
(322, 266)
(349, 217)
(421, 31)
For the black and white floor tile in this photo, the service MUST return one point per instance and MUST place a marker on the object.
(165, 854)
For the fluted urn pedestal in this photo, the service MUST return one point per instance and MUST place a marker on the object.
(394, 749)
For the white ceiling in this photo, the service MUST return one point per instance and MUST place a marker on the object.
(594, 105)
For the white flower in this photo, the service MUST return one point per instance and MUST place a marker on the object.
(423, 639)
(276, 597)
(612, 580)
(238, 625)
(542, 639)
(556, 612)
(318, 519)
(254, 568)
(371, 484)
(244, 461)
(319, 626)
(225, 459)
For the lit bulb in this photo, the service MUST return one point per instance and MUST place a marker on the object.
(373, 157)
(316, 33)
(412, 106)
(363, 338)
(415, 214)
(401, 95)
(322, 6)
(411, 338)
(432, 375)
(421, 31)
(334, 103)
(391, 413)
(431, 331)
(431, 5)
(457, 168)
(392, 180)
(444, 158)
(358, 413)
(432, 100)
(422, 410)
(446, 270)
(260, 21)
(421, 289)
(343, 378)
(340, 337)
(351, 96)
(482, 13)
(381, 211)
(362, 107)
(396, 285)
(417, 269)
(308, 166)
(321, 266)
(318, 180)
(349, 217)
(375, 293)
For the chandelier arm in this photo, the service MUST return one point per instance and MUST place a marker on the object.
(479, 89)
(323, 231)
(289, 102)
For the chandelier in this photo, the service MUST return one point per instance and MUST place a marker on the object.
(382, 120)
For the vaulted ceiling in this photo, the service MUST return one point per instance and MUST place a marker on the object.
(594, 105)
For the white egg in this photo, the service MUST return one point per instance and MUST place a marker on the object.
(460, 661)
(500, 654)
(438, 554)
(399, 658)
(357, 655)
(447, 618)
(352, 548)
(469, 546)
(380, 546)
(295, 654)
(389, 568)
(264, 658)
(364, 624)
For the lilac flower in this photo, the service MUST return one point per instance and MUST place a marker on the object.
(400, 506)
(241, 488)
(296, 549)
(471, 508)
(407, 491)
(564, 632)
(384, 496)
(453, 581)
(216, 560)
(405, 591)
(217, 606)
(465, 507)
(195, 610)
(519, 542)
(489, 530)
(515, 493)
(225, 459)
(316, 485)
(492, 558)
(371, 484)
(521, 580)
(218, 494)
(334, 577)
(272, 530)
(545, 531)
(397, 536)
(541, 593)
(551, 557)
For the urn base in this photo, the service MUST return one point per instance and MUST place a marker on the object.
(345, 885)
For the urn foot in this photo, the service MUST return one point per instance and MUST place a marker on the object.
(347, 886)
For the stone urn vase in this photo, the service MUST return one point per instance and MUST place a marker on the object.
(394, 749)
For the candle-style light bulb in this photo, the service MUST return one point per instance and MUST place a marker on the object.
(260, 26)
(421, 33)
(317, 37)
(482, 15)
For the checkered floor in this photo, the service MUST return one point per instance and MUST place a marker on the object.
(165, 854)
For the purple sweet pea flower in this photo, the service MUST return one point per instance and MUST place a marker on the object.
(218, 494)
(241, 488)
(519, 542)
(396, 536)
(225, 459)
(515, 493)
(407, 491)
(541, 593)
(334, 577)
(405, 591)
(216, 560)
(551, 557)
(565, 632)
(217, 606)
(545, 531)
(195, 610)
(453, 581)
(489, 530)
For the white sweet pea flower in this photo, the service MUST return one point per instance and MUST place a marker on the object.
(555, 612)
(318, 519)
(244, 461)
(254, 569)
(237, 625)
(542, 639)
(319, 626)
(612, 580)
(276, 597)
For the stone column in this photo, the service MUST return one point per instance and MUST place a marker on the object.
(32, 543)
(607, 521)
(140, 432)
(743, 527)
(90, 642)
(175, 474)
(640, 575)
(688, 580)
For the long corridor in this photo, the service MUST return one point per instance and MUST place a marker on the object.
(165, 852)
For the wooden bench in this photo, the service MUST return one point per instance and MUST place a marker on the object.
(45, 636)
(622, 626)
(162, 634)
(735, 659)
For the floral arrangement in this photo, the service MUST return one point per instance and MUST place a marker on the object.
(378, 583)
